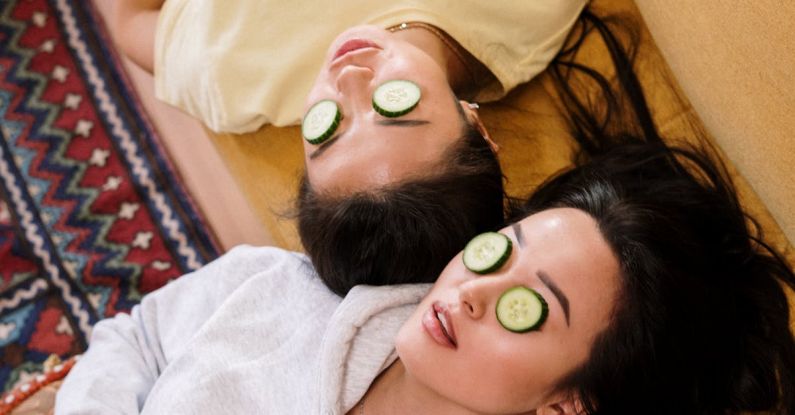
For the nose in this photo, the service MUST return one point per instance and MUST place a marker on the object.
(354, 82)
(476, 296)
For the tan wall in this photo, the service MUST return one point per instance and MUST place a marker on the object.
(735, 61)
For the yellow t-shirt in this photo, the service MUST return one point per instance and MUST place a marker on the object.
(237, 65)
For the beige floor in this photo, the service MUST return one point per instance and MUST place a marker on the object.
(204, 174)
(747, 103)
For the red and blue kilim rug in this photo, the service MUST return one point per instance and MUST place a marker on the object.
(92, 215)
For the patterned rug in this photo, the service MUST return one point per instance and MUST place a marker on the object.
(92, 215)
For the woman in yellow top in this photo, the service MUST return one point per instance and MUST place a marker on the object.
(374, 182)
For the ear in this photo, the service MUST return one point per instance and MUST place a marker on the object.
(471, 111)
(568, 406)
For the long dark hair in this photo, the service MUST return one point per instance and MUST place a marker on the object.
(408, 231)
(701, 325)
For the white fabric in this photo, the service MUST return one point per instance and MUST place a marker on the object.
(237, 65)
(253, 332)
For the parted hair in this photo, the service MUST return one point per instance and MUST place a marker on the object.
(702, 322)
(408, 231)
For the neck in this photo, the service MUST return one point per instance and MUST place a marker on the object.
(396, 392)
(455, 61)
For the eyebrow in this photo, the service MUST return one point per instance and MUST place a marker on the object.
(517, 230)
(387, 123)
(402, 123)
(562, 299)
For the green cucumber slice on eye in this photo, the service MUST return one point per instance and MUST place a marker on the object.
(321, 121)
(521, 309)
(487, 252)
(395, 98)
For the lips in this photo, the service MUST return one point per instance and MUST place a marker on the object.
(352, 45)
(438, 323)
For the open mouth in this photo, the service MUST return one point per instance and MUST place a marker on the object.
(438, 324)
(445, 326)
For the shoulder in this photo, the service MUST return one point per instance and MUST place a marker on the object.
(243, 263)
(260, 257)
(514, 39)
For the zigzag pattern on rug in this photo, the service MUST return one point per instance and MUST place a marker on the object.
(92, 215)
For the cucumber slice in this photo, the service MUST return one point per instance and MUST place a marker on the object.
(521, 309)
(321, 121)
(395, 98)
(487, 252)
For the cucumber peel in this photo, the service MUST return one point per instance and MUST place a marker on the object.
(321, 121)
(521, 309)
(396, 97)
(487, 252)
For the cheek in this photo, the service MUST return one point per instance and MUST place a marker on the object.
(322, 88)
(315, 94)
(512, 372)
(494, 375)
(523, 372)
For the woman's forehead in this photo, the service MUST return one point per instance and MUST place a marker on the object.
(566, 242)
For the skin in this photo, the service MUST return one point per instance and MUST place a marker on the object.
(133, 24)
(369, 150)
(491, 370)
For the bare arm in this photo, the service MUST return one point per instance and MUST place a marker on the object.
(133, 25)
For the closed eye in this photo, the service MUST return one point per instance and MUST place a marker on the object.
(396, 122)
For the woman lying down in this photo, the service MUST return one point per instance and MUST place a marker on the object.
(628, 284)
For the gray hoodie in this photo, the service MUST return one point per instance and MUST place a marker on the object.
(253, 332)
